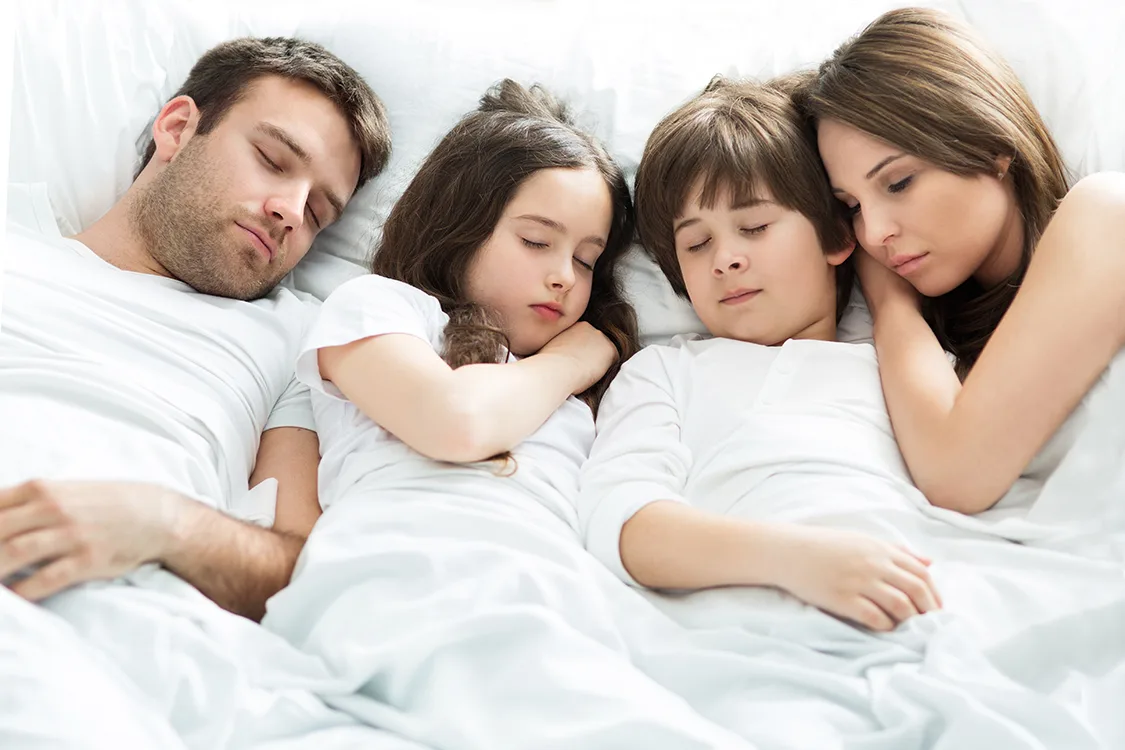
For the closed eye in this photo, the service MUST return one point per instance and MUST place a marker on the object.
(269, 162)
(901, 185)
(584, 264)
(536, 245)
(755, 230)
(314, 217)
(699, 246)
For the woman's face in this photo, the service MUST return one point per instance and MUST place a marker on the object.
(933, 227)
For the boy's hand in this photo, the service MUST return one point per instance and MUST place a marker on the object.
(860, 578)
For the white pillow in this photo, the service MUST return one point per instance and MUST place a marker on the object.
(89, 77)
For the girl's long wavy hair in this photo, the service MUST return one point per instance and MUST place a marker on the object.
(454, 202)
(923, 81)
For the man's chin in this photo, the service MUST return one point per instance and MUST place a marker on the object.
(246, 291)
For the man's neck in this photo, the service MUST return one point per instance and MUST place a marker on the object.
(114, 240)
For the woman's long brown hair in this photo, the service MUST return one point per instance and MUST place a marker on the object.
(457, 197)
(924, 82)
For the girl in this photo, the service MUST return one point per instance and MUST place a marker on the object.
(974, 246)
(432, 576)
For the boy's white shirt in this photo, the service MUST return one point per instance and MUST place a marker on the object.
(793, 433)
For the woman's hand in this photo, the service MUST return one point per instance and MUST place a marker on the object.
(882, 287)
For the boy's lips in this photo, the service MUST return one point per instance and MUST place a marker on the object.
(738, 296)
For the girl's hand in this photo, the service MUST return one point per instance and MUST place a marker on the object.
(588, 348)
(881, 285)
(857, 577)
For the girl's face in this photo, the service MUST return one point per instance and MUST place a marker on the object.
(934, 228)
(756, 272)
(537, 266)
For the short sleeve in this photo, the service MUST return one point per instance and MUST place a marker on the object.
(363, 307)
(638, 456)
(293, 408)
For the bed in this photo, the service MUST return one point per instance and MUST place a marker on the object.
(88, 77)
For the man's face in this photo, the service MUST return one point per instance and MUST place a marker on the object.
(236, 209)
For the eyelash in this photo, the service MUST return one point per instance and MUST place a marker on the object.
(750, 232)
(901, 185)
(269, 162)
(542, 245)
(274, 166)
(895, 188)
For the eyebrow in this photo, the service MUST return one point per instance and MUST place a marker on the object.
(273, 131)
(875, 170)
(748, 203)
(552, 224)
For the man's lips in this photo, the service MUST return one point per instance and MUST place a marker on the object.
(260, 240)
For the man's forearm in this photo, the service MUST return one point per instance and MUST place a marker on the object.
(235, 564)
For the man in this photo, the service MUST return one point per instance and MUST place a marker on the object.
(146, 383)
(156, 342)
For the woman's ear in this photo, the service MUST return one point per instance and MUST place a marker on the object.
(836, 257)
(174, 127)
(1003, 164)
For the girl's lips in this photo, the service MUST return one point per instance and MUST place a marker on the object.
(547, 312)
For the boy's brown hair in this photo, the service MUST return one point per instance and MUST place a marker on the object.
(745, 136)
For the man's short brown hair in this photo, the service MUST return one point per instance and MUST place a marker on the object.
(220, 78)
(744, 136)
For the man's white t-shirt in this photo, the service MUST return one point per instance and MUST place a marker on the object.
(114, 375)
(359, 456)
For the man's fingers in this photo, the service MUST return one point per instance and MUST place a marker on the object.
(34, 548)
(21, 493)
(50, 579)
(20, 519)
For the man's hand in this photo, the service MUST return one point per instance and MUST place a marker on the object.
(72, 532)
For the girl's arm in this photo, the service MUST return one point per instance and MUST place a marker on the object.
(673, 545)
(471, 413)
(967, 444)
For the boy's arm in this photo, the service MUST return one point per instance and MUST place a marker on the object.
(638, 456)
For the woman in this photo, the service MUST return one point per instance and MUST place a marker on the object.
(975, 247)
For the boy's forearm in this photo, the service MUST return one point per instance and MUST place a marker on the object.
(675, 546)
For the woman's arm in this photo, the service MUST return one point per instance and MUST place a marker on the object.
(471, 413)
(673, 545)
(967, 444)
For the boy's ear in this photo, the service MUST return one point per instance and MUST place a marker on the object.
(836, 257)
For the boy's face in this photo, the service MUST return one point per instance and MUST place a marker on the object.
(756, 272)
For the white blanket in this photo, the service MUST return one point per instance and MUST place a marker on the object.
(487, 625)
(148, 662)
